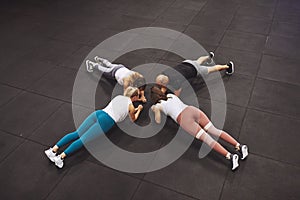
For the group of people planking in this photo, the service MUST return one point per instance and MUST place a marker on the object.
(165, 99)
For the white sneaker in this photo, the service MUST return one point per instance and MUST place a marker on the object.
(244, 151)
(90, 66)
(102, 61)
(235, 161)
(58, 161)
(50, 154)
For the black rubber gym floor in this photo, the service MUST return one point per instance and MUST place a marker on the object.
(43, 44)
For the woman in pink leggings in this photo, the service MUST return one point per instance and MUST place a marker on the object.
(196, 123)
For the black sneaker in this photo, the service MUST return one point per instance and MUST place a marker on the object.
(230, 70)
(211, 56)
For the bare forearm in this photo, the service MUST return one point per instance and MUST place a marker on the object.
(217, 68)
(137, 114)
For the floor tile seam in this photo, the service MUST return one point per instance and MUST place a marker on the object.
(46, 96)
(114, 170)
(61, 66)
(161, 145)
(219, 46)
(276, 20)
(174, 40)
(186, 25)
(159, 15)
(40, 124)
(13, 150)
(291, 23)
(252, 108)
(57, 184)
(40, 78)
(224, 183)
(136, 189)
(44, 122)
(260, 6)
(255, 78)
(275, 160)
(238, 49)
(227, 28)
(12, 98)
(249, 32)
(282, 82)
(207, 42)
(52, 38)
(190, 24)
(169, 189)
(283, 35)
(70, 69)
(284, 22)
(21, 137)
(57, 99)
(256, 17)
(260, 64)
(252, 17)
(39, 94)
(273, 113)
(79, 46)
(281, 57)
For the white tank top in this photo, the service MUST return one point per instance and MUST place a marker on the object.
(118, 108)
(121, 74)
(173, 106)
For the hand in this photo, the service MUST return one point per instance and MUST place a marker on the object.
(153, 108)
(143, 99)
(221, 67)
(140, 107)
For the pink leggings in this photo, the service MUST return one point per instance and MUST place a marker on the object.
(196, 123)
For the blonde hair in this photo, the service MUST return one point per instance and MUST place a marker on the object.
(131, 91)
(133, 76)
(162, 79)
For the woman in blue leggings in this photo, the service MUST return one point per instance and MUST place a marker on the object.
(97, 123)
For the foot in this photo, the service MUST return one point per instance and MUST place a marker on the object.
(58, 161)
(211, 56)
(230, 70)
(102, 61)
(50, 154)
(90, 66)
(234, 161)
(244, 151)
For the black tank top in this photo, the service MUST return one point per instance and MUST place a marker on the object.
(186, 70)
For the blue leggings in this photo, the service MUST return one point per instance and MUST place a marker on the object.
(93, 126)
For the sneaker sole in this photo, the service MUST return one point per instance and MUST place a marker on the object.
(50, 158)
(232, 71)
(96, 59)
(88, 66)
(245, 154)
(236, 164)
(59, 166)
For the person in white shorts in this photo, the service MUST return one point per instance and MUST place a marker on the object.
(120, 73)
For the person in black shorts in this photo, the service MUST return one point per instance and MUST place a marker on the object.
(190, 69)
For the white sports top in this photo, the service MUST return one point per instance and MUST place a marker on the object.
(173, 106)
(121, 74)
(118, 108)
